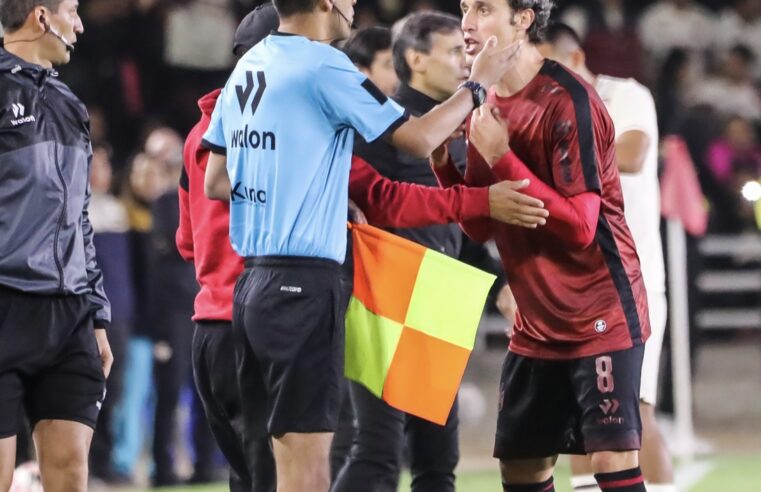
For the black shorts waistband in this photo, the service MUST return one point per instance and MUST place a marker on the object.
(291, 262)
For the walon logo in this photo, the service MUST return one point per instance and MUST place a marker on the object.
(244, 93)
(18, 113)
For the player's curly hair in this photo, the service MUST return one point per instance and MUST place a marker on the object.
(542, 9)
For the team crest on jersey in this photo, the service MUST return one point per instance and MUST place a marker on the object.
(600, 325)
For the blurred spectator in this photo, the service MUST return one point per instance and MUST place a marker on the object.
(110, 224)
(732, 91)
(370, 50)
(735, 157)
(198, 35)
(175, 289)
(671, 88)
(740, 24)
(145, 183)
(610, 39)
(669, 24)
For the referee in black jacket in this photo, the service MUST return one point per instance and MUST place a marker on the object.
(54, 354)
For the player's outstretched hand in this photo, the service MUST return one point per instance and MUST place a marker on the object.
(492, 62)
(104, 350)
(489, 133)
(510, 206)
(356, 213)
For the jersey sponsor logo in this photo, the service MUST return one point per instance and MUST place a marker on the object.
(600, 325)
(290, 288)
(246, 138)
(244, 93)
(240, 193)
(609, 407)
(19, 110)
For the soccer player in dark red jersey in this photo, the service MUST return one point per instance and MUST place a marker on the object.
(570, 381)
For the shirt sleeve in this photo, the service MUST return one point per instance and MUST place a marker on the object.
(350, 99)
(572, 146)
(636, 111)
(388, 203)
(214, 137)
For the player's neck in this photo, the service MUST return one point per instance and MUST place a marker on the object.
(17, 44)
(311, 26)
(527, 64)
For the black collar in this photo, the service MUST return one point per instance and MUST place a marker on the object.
(414, 100)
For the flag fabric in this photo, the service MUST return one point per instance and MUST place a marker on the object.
(411, 322)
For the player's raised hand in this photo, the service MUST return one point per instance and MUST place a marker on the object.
(492, 62)
(510, 206)
(489, 133)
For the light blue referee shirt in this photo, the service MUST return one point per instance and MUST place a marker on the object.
(286, 120)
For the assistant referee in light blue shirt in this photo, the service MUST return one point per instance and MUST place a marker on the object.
(281, 140)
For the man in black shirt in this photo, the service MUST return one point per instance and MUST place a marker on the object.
(429, 58)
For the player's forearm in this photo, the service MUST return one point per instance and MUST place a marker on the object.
(631, 151)
(217, 182)
(574, 219)
(476, 228)
(447, 174)
(421, 136)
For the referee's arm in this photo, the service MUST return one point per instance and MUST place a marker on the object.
(216, 184)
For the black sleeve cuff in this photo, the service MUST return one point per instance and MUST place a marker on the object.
(101, 324)
(394, 126)
(214, 148)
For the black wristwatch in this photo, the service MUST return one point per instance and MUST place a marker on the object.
(477, 90)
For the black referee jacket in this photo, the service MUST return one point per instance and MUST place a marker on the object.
(46, 242)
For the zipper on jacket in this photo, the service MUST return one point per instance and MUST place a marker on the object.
(58, 169)
(60, 221)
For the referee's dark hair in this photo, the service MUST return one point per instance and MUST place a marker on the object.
(415, 34)
(287, 8)
(13, 13)
(557, 30)
(542, 9)
(364, 44)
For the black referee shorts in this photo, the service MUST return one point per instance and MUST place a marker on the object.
(289, 328)
(577, 406)
(49, 360)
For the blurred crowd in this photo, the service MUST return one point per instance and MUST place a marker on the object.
(141, 66)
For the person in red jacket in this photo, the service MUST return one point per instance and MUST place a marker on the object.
(203, 238)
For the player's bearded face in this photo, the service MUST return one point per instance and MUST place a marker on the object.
(482, 19)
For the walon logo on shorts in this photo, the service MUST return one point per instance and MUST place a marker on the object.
(18, 113)
(240, 193)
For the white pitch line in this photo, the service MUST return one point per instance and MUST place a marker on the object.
(691, 473)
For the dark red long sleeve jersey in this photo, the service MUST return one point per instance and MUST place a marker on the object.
(577, 279)
(203, 234)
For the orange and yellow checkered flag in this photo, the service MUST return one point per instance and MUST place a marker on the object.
(411, 322)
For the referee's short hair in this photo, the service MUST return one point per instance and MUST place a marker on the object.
(364, 44)
(414, 32)
(287, 8)
(13, 13)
